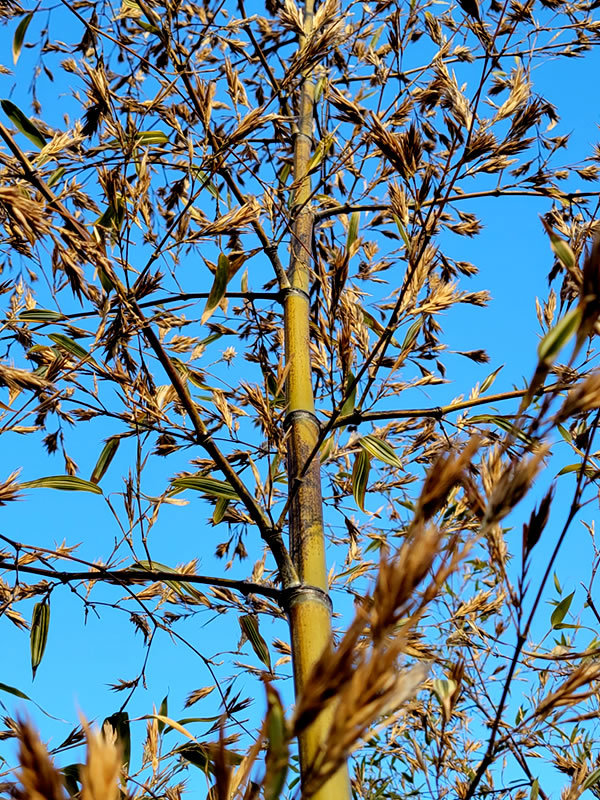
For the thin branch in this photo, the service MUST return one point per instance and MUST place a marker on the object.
(435, 412)
(128, 576)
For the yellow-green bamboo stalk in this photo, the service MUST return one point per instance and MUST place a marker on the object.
(309, 606)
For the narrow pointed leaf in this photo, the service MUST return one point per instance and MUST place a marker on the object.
(378, 448)
(353, 229)
(106, 456)
(4, 687)
(220, 509)
(23, 123)
(66, 483)
(40, 623)
(489, 380)
(557, 337)
(278, 751)
(218, 289)
(209, 486)
(561, 610)
(19, 36)
(249, 626)
(152, 137)
(41, 315)
(592, 779)
(350, 401)
(71, 346)
(360, 477)
(163, 711)
(120, 724)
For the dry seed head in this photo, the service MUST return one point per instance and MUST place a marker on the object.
(40, 778)
(445, 473)
(399, 577)
(565, 695)
(583, 397)
(513, 485)
(100, 775)
(9, 488)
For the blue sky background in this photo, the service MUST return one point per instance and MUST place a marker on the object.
(84, 655)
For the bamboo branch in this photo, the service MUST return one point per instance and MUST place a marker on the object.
(436, 412)
(129, 576)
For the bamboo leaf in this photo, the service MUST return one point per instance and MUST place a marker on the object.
(504, 423)
(209, 486)
(19, 36)
(412, 333)
(249, 626)
(66, 483)
(561, 610)
(278, 752)
(119, 722)
(557, 337)
(218, 289)
(41, 315)
(592, 779)
(350, 401)
(152, 137)
(104, 459)
(378, 448)
(163, 711)
(23, 123)
(489, 380)
(220, 509)
(352, 229)
(535, 790)
(172, 724)
(72, 347)
(560, 248)
(40, 623)
(360, 477)
(4, 687)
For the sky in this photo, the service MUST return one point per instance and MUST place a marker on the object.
(85, 653)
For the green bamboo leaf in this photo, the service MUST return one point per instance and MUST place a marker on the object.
(350, 400)
(66, 483)
(360, 477)
(41, 315)
(218, 289)
(557, 337)
(489, 380)
(119, 722)
(278, 751)
(557, 585)
(106, 456)
(561, 610)
(71, 347)
(378, 448)
(152, 137)
(504, 423)
(220, 509)
(72, 778)
(377, 327)
(40, 623)
(210, 486)
(184, 589)
(20, 36)
(560, 248)
(55, 177)
(4, 687)
(588, 470)
(402, 231)
(249, 626)
(352, 229)
(412, 333)
(443, 688)
(535, 790)
(23, 123)
(163, 711)
(592, 779)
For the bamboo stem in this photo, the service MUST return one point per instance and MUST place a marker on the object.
(309, 606)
